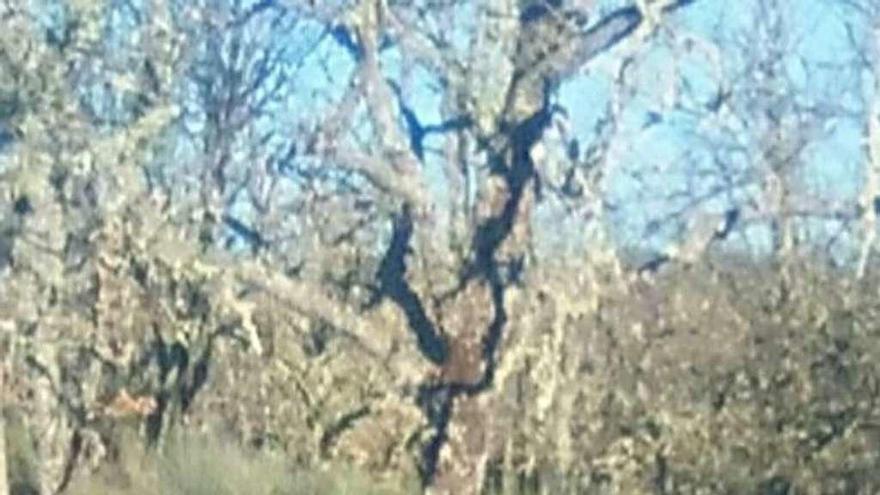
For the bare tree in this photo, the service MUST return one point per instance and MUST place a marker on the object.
(398, 212)
(538, 46)
(864, 35)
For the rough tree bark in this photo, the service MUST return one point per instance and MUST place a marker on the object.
(472, 319)
(4, 478)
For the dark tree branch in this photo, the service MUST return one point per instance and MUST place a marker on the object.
(393, 284)
(418, 131)
(251, 236)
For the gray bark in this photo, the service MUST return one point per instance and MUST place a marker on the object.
(4, 478)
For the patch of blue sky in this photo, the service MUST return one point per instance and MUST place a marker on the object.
(832, 162)
(836, 165)
(322, 78)
(466, 16)
(585, 99)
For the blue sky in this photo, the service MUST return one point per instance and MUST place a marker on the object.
(815, 45)
(816, 58)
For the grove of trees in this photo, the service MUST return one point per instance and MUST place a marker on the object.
(549, 246)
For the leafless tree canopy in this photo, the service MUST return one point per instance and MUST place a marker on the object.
(489, 244)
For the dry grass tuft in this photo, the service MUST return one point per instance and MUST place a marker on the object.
(193, 464)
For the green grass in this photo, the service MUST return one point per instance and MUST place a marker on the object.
(20, 456)
(203, 465)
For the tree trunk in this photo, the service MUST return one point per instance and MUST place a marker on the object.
(4, 477)
(548, 48)
(474, 322)
(463, 460)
